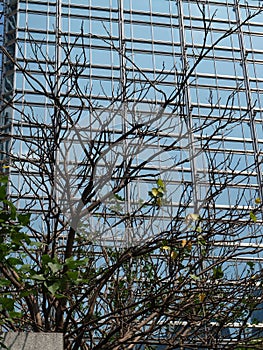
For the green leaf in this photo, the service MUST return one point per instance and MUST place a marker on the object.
(54, 267)
(218, 272)
(251, 265)
(38, 277)
(59, 295)
(23, 219)
(25, 268)
(15, 314)
(4, 179)
(70, 262)
(161, 191)
(53, 288)
(73, 264)
(25, 293)
(2, 192)
(4, 216)
(253, 217)
(14, 261)
(4, 282)
(194, 277)
(201, 241)
(118, 197)
(46, 259)
(12, 208)
(154, 192)
(7, 303)
(257, 200)
(4, 248)
(160, 183)
(73, 275)
(17, 237)
(199, 229)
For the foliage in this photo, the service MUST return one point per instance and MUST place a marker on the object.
(136, 282)
(11, 237)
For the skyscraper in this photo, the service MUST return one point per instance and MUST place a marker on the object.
(164, 93)
(125, 44)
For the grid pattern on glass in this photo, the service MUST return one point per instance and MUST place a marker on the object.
(144, 39)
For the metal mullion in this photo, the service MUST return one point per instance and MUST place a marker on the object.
(222, 138)
(253, 61)
(242, 127)
(188, 109)
(250, 105)
(124, 110)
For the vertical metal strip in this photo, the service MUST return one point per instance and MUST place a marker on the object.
(250, 110)
(58, 42)
(128, 239)
(188, 109)
(56, 122)
(122, 50)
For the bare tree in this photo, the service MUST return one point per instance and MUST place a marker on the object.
(128, 245)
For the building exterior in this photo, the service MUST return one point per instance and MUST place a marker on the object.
(130, 59)
(128, 42)
(123, 40)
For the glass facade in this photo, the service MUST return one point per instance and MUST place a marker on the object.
(131, 44)
(190, 71)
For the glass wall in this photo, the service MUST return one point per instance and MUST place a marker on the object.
(147, 48)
